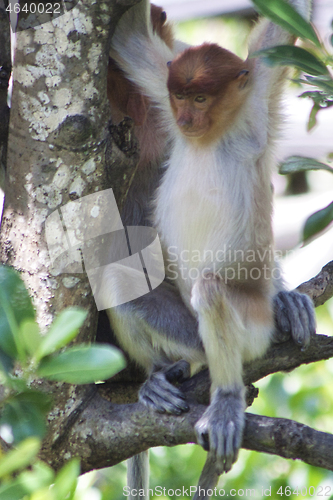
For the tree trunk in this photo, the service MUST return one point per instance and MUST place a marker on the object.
(59, 150)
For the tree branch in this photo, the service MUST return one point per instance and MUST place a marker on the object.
(135, 428)
(288, 439)
(319, 288)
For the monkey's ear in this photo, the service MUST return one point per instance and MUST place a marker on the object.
(243, 78)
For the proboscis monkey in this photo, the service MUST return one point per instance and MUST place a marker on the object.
(213, 214)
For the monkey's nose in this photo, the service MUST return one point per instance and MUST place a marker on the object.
(185, 121)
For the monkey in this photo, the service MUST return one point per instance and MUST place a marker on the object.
(205, 98)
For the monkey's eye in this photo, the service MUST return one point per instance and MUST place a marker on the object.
(179, 96)
(163, 17)
(200, 98)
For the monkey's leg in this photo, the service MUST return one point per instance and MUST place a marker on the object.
(294, 317)
(220, 429)
(158, 392)
(235, 323)
(157, 330)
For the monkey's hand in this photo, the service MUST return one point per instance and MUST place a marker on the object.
(158, 392)
(220, 429)
(294, 317)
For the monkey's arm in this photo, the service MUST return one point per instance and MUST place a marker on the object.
(294, 312)
(267, 80)
(142, 55)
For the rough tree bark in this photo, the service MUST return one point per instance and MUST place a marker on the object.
(5, 70)
(60, 149)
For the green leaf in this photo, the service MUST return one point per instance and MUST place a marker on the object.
(300, 164)
(25, 413)
(40, 476)
(20, 457)
(6, 362)
(323, 82)
(313, 117)
(30, 336)
(317, 97)
(66, 480)
(318, 221)
(15, 307)
(12, 491)
(288, 55)
(45, 493)
(83, 365)
(283, 14)
(64, 329)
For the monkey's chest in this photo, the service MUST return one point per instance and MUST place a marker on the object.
(201, 212)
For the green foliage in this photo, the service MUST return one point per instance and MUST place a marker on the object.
(321, 219)
(20, 457)
(316, 63)
(318, 222)
(15, 308)
(66, 480)
(288, 55)
(23, 410)
(300, 164)
(39, 482)
(64, 329)
(21, 341)
(283, 14)
(82, 365)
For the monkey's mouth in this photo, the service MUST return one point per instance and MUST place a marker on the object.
(196, 134)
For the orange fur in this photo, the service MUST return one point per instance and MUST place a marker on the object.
(211, 73)
(160, 26)
(207, 69)
(126, 98)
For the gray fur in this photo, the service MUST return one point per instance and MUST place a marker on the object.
(294, 317)
(220, 429)
(208, 480)
(138, 474)
(158, 392)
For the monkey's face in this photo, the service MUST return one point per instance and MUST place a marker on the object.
(192, 113)
(207, 85)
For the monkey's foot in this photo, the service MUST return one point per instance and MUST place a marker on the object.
(294, 317)
(158, 392)
(220, 429)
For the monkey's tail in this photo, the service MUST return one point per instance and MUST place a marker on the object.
(208, 480)
(138, 475)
